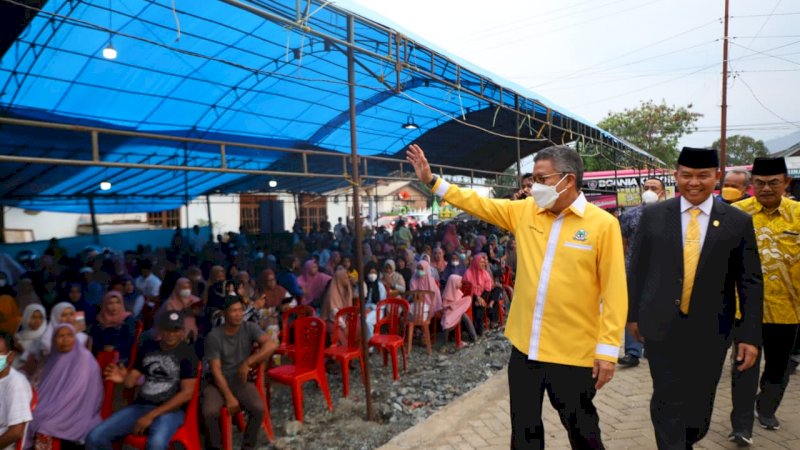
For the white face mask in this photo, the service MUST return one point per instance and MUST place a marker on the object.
(3, 283)
(455, 263)
(649, 197)
(3, 362)
(372, 277)
(545, 196)
(185, 292)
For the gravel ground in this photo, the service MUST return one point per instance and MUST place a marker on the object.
(430, 383)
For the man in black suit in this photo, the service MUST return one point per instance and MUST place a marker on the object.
(692, 255)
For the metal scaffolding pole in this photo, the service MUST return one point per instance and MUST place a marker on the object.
(351, 81)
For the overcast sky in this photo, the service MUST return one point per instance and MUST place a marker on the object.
(596, 56)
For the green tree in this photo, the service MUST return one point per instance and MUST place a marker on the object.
(655, 128)
(507, 182)
(742, 150)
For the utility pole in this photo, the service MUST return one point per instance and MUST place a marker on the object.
(724, 119)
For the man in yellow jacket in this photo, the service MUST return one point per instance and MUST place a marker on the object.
(570, 302)
(776, 220)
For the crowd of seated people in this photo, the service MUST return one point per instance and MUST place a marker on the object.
(200, 304)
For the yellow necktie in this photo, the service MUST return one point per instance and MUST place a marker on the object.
(691, 254)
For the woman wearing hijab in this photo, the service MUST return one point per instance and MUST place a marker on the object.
(76, 299)
(339, 295)
(437, 261)
(181, 300)
(404, 270)
(482, 284)
(313, 282)
(392, 278)
(334, 262)
(70, 392)
(450, 239)
(272, 294)
(39, 350)
(114, 327)
(424, 281)
(33, 326)
(374, 293)
(26, 294)
(455, 306)
(132, 298)
(454, 267)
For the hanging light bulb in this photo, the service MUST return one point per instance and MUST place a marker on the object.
(272, 183)
(410, 124)
(105, 185)
(109, 52)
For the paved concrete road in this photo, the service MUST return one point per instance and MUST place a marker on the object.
(479, 418)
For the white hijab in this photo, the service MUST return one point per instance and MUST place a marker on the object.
(25, 336)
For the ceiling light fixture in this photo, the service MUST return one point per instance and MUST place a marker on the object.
(105, 185)
(272, 183)
(410, 124)
(109, 52)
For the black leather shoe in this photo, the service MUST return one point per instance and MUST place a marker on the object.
(628, 361)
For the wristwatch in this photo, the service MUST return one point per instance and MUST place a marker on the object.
(432, 183)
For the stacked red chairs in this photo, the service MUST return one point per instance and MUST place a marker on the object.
(391, 313)
(298, 312)
(351, 349)
(309, 363)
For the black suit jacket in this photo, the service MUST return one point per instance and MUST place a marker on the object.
(729, 264)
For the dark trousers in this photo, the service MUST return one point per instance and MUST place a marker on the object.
(685, 370)
(570, 389)
(778, 343)
(249, 400)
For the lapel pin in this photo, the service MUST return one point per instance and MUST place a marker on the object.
(716, 223)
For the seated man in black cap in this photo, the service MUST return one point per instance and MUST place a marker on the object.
(777, 226)
(229, 352)
(690, 257)
(169, 366)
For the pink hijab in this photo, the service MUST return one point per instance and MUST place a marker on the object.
(107, 319)
(177, 303)
(427, 283)
(455, 302)
(480, 278)
(313, 285)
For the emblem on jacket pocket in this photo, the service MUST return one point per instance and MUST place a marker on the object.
(580, 235)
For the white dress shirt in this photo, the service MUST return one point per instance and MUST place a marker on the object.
(702, 218)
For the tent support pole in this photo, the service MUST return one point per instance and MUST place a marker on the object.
(351, 80)
(2, 223)
(210, 223)
(95, 230)
(516, 127)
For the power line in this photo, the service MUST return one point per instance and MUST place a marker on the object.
(765, 15)
(795, 124)
(767, 54)
(764, 23)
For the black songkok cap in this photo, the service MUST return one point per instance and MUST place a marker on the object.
(698, 158)
(769, 166)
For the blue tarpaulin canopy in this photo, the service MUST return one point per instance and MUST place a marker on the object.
(255, 73)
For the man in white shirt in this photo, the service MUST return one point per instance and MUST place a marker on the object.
(15, 392)
(148, 283)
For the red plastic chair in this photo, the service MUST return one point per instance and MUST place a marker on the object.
(420, 317)
(104, 359)
(225, 418)
(298, 312)
(309, 363)
(351, 317)
(128, 393)
(395, 316)
(188, 435)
